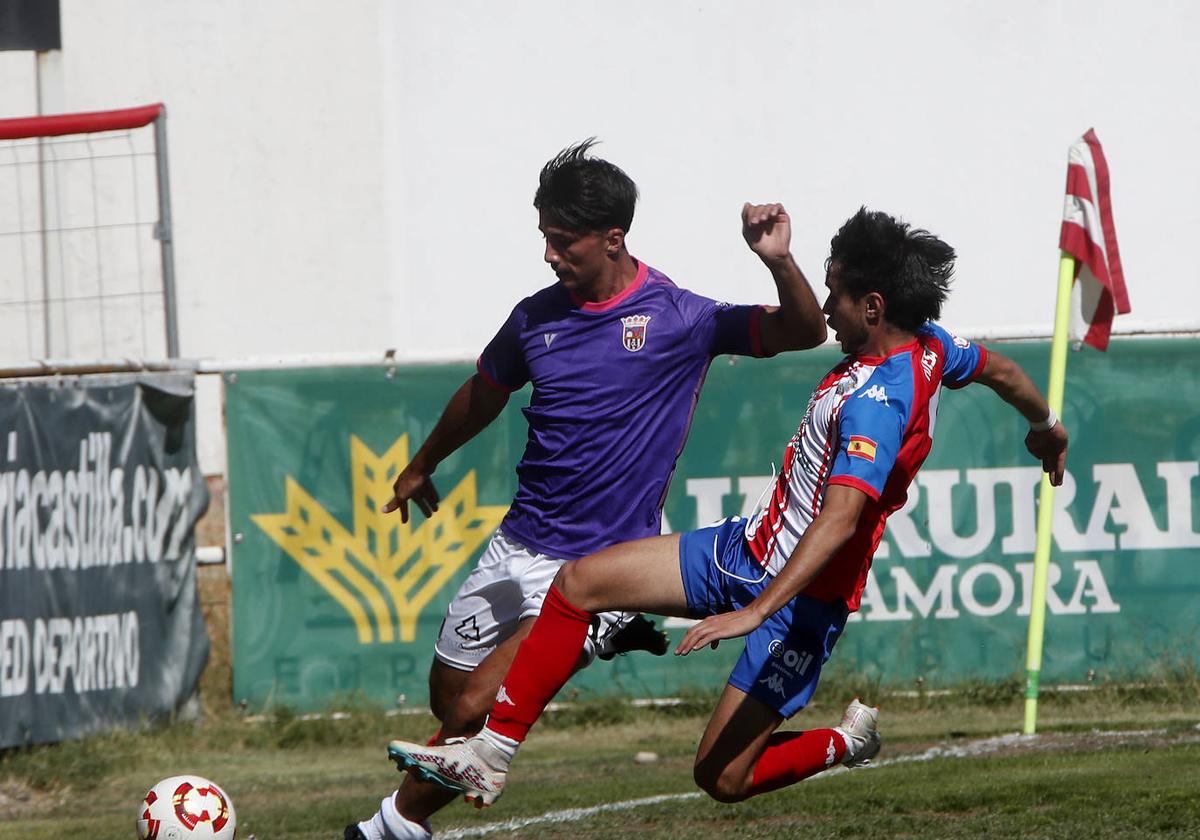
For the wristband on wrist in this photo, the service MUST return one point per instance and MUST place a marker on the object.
(1046, 425)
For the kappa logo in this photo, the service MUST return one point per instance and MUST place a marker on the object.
(875, 392)
(961, 343)
(549, 338)
(502, 696)
(830, 753)
(774, 683)
(468, 629)
(633, 332)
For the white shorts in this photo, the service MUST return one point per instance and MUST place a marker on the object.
(508, 584)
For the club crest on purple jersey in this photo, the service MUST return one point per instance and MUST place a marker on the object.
(633, 332)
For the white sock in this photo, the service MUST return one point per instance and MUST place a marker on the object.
(849, 742)
(854, 744)
(388, 824)
(504, 745)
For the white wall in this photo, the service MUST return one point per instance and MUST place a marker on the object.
(362, 180)
(276, 151)
(955, 115)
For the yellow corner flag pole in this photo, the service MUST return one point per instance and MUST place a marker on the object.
(1045, 518)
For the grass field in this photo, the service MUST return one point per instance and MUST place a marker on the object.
(1110, 763)
(1117, 761)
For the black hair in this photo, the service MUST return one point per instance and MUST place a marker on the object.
(911, 269)
(582, 193)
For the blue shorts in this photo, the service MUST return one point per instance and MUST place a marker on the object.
(783, 657)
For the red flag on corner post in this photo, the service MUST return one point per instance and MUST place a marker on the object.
(1088, 235)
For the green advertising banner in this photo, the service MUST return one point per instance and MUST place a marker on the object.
(334, 599)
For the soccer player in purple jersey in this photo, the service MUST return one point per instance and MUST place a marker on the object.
(787, 578)
(617, 354)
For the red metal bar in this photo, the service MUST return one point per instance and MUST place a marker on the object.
(59, 124)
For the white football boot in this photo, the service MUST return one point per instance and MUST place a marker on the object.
(471, 766)
(861, 736)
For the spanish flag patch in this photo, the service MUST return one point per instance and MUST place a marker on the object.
(861, 447)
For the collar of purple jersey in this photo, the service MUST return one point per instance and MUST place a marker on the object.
(620, 297)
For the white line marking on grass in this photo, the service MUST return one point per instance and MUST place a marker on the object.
(573, 814)
(569, 815)
(969, 749)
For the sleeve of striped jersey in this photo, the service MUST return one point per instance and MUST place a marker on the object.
(869, 437)
(502, 363)
(964, 360)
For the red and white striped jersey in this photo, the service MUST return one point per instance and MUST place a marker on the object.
(869, 425)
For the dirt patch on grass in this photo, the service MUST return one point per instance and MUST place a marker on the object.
(18, 799)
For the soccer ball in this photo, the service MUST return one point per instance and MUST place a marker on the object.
(186, 808)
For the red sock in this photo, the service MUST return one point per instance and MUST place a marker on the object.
(436, 737)
(544, 662)
(792, 756)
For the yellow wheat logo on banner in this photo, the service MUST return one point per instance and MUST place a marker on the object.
(384, 568)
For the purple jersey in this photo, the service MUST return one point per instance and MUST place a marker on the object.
(614, 388)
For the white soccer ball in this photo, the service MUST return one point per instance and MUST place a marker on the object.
(186, 808)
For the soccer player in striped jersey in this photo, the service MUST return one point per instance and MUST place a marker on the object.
(617, 354)
(787, 578)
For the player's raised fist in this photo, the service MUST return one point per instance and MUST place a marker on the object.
(767, 229)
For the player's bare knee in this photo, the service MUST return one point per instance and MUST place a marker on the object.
(718, 783)
(572, 583)
(567, 581)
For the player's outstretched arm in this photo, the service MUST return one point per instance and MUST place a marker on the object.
(798, 323)
(832, 528)
(472, 408)
(1047, 438)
